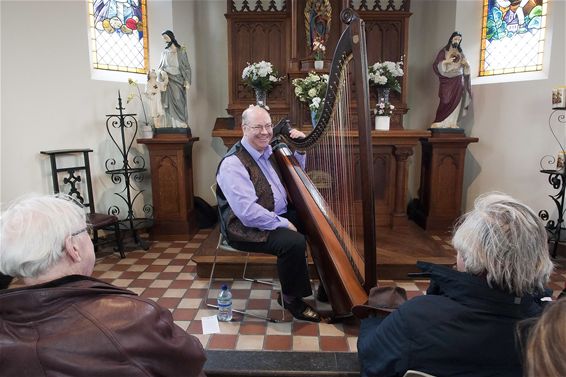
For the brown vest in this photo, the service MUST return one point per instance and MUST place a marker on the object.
(231, 227)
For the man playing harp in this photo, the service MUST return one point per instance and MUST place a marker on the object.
(255, 214)
(339, 210)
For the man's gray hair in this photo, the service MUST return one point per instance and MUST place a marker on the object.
(504, 240)
(33, 231)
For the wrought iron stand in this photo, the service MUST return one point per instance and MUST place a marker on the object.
(557, 179)
(131, 170)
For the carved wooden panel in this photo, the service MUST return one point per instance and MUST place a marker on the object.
(442, 175)
(172, 186)
(258, 41)
(275, 31)
(168, 181)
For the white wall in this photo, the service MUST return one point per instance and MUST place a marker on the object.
(48, 100)
(205, 25)
(510, 119)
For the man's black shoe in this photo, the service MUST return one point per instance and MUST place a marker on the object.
(301, 310)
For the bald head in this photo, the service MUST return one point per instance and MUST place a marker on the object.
(257, 127)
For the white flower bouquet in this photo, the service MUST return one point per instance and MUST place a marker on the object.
(311, 90)
(318, 49)
(261, 75)
(385, 75)
(135, 87)
(383, 109)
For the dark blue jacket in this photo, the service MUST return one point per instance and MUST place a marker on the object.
(462, 327)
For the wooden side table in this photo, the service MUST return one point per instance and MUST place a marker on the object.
(171, 166)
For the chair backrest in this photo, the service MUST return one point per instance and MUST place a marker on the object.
(416, 373)
(72, 178)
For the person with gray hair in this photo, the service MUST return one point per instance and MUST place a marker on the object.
(63, 322)
(546, 345)
(466, 323)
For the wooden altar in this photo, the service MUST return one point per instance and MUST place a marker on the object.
(391, 151)
(279, 33)
(276, 32)
(261, 30)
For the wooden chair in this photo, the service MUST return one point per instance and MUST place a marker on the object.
(76, 181)
(225, 246)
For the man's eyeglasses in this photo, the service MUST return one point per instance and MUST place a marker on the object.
(258, 128)
(85, 229)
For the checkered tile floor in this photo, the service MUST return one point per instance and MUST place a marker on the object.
(165, 273)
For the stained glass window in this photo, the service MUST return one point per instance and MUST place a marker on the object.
(513, 34)
(119, 35)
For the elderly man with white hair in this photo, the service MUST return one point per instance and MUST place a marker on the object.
(63, 322)
(466, 324)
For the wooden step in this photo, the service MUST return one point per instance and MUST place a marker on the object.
(397, 254)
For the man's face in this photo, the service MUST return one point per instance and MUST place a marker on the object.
(258, 131)
(456, 41)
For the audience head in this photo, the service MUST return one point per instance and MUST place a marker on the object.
(257, 127)
(546, 347)
(43, 238)
(505, 241)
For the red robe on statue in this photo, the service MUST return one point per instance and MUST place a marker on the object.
(451, 88)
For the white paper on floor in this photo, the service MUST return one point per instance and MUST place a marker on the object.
(210, 325)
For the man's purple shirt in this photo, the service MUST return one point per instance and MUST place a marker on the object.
(235, 183)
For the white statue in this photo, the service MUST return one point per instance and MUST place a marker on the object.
(175, 62)
(153, 90)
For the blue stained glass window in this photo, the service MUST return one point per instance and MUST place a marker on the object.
(119, 35)
(513, 35)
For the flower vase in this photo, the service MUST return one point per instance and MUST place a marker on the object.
(147, 132)
(319, 64)
(313, 118)
(382, 122)
(383, 94)
(260, 97)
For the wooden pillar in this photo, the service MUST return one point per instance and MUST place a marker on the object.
(399, 214)
(442, 176)
(172, 186)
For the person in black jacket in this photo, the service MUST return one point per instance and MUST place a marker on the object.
(465, 325)
(5, 281)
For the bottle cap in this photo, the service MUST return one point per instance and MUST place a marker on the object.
(224, 287)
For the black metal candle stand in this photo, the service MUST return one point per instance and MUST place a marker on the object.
(131, 170)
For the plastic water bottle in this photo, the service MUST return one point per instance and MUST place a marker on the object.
(225, 304)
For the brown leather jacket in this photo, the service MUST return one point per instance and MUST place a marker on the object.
(80, 326)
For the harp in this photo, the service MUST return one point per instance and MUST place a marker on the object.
(338, 214)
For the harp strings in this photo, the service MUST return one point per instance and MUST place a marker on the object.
(332, 169)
